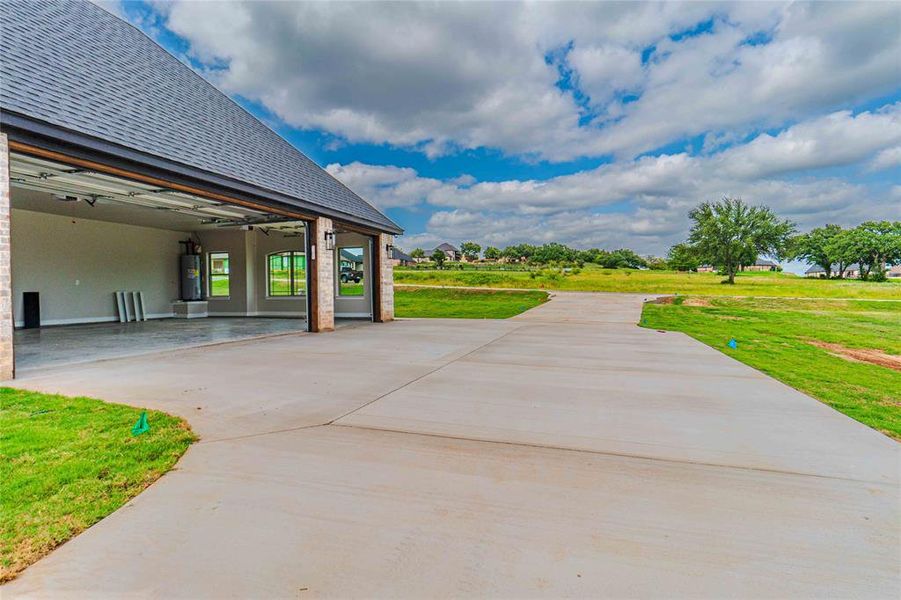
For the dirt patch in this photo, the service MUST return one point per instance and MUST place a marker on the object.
(864, 355)
(682, 301)
(696, 302)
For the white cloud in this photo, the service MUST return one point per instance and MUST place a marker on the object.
(644, 203)
(890, 158)
(444, 76)
(833, 140)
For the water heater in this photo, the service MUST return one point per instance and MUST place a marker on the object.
(190, 277)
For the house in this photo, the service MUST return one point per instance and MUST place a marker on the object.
(131, 188)
(762, 265)
(401, 258)
(706, 269)
(452, 253)
(851, 271)
(893, 271)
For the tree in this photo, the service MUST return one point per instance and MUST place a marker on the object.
(622, 259)
(818, 247)
(873, 244)
(682, 257)
(438, 257)
(470, 250)
(418, 253)
(728, 232)
(492, 253)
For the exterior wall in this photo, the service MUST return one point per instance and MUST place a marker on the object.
(385, 309)
(77, 264)
(354, 306)
(7, 362)
(324, 273)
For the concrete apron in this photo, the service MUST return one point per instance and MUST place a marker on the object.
(565, 452)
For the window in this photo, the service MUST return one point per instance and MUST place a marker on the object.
(219, 274)
(286, 273)
(350, 272)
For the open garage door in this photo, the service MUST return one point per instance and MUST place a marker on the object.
(188, 270)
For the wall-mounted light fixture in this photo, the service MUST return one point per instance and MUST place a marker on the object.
(389, 248)
(329, 240)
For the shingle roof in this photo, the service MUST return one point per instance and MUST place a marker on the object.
(764, 263)
(445, 247)
(398, 254)
(819, 269)
(76, 66)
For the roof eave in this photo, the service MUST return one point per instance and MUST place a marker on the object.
(78, 145)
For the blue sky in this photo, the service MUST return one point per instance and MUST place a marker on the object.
(590, 124)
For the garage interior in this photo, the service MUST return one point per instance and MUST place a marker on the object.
(193, 270)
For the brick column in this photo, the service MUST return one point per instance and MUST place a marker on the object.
(7, 363)
(322, 275)
(385, 307)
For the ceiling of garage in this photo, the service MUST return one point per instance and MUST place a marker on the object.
(50, 187)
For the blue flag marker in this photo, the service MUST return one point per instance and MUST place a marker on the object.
(732, 344)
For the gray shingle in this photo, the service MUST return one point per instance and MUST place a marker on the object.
(74, 65)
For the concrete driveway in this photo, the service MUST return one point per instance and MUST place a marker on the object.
(565, 452)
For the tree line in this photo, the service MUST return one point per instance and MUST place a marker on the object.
(545, 254)
(728, 235)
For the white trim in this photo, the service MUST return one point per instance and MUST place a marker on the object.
(354, 315)
(87, 320)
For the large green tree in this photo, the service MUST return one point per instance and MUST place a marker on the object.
(818, 247)
(470, 250)
(683, 257)
(492, 253)
(417, 253)
(727, 232)
(438, 257)
(872, 245)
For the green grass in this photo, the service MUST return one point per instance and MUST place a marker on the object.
(463, 304)
(774, 336)
(350, 289)
(65, 463)
(595, 279)
(219, 286)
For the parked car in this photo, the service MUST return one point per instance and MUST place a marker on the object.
(348, 274)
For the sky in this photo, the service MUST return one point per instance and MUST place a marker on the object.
(591, 124)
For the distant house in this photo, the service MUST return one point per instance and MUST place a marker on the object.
(450, 252)
(400, 258)
(706, 269)
(851, 271)
(894, 271)
(762, 265)
(349, 259)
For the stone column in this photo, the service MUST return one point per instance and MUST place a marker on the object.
(385, 308)
(322, 275)
(7, 362)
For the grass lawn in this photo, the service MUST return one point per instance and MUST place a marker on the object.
(779, 337)
(65, 463)
(594, 279)
(350, 289)
(463, 304)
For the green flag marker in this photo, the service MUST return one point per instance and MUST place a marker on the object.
(142, 425)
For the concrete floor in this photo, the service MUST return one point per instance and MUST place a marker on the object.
(69, 344)
(565, 452)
